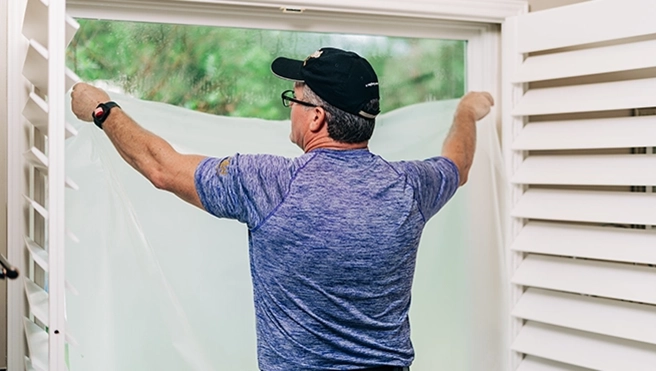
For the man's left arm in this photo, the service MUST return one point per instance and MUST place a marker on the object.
(147, 153)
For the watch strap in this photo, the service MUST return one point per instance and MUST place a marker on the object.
(101, 112)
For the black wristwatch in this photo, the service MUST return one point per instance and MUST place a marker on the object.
(101, 112)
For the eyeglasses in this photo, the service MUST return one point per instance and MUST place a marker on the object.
(288, 96)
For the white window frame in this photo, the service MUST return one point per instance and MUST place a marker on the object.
(476, 21)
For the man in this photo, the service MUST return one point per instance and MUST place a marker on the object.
(333, 234)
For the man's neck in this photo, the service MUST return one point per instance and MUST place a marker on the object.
(327, 143)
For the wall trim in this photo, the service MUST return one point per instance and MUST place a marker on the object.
(483, 11)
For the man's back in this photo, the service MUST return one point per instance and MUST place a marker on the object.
(333, 242)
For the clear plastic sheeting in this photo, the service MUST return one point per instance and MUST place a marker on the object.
(165, 286)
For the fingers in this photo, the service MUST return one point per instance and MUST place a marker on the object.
(479, 103)
(83, 89)
(85, 98)
(78, 88)
(77, 85)
(482, 95)
(489, 97)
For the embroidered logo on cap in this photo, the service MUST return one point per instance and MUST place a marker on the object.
(316, 54)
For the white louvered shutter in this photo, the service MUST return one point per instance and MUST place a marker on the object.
(39, 250)
(582, 167)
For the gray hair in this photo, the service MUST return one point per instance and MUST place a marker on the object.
(343, 126)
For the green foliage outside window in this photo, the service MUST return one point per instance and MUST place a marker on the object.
(226, 71)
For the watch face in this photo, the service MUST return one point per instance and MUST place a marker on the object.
(98, 112)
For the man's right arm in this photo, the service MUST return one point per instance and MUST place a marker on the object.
(460, 144)
(146, 152)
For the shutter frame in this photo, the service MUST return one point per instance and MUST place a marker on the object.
(573, 200)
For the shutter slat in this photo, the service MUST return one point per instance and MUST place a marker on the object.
(72, 236)
(71, 288)
(588, 97)
(39, 254)
(587, 206)
(531, 363)
(36, 112)
(601, 243)
(579, 312)
(585, 23)
(38, 299)
(584, 349)
(71, 79)
(622, 132)
(604, 279)
(28, 365)
(37, 207)
(35, 21)
(71, 184)
(630, 56)
(37, 159)
(71, 340)
(71, 29)
(35, 68)
(36, 16)
(588, 170)
(71, 131)
(37, 343)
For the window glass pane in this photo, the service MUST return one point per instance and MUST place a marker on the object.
(226, 71)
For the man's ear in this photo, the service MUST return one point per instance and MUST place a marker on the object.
(318, 120)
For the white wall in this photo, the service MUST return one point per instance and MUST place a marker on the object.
(3, 176)
(537, 5)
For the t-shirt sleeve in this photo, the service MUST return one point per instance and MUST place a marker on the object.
(243, 187)
(435, 180)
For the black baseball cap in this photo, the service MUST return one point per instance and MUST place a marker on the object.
(341, 78)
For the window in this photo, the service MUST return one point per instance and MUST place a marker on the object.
(225, 71)
(405, 60)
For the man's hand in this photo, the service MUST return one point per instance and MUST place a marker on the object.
(85, 99)
(460, 143)
(477, 104)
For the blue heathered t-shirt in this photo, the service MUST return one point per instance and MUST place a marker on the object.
(333, 239)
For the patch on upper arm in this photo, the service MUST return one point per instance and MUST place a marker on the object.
(222, 167)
